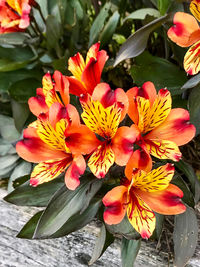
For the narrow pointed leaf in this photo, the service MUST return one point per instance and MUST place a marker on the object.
(194, 81)
(129, 251)
(103, 241)
(64, 204)
(185, 237)
(137, 42)
(26, 195)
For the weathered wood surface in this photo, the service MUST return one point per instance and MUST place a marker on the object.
(73, 250)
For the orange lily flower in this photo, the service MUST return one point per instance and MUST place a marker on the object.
(141, 195)
(14, 15)
(86, 73)
(159, 129)
(48, 95)
(185, 33)
(44, 143)
(102, 113)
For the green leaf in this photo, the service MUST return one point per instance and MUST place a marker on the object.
(9, 65)
(185, 237)
(188, 197)
(124, 228)
(64, 204)
(8, 78)
(53, 31)
(22, 90)
(163, 6)
(137, 42)
(142, 13)
(62, 5)
(98, 24)
(129, 251)
(194, 108)
(28, 230)
(26, 195)
(193, 179)
(103, 241)
(20, 114)
(7, 129)
(191, 83)
(78, 220)
(14, 38)
(109, 29)
(160, 71)
(22, 169)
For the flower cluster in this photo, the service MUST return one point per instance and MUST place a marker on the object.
(14, 15)
(186, 32)
(62, 140)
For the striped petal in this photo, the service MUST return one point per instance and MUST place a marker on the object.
(140, 215)
(167, 202)
(75, 170)
(108, 97)
(160, 110)
(101, 160)
(53, 137)
(176, 128)
(76, 65)
(47, 83)
(192, 59)
(185, 31)
(33, 149)
(100, 120)
(143, 107)
(156, 180)
(62, 86)
(115, 203)
(49, 170)
(163, 149)
(195, 9)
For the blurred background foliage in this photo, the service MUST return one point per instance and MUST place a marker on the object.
(134, 33)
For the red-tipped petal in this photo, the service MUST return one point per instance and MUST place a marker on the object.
(81, 140)
(49, 170)
(37, 103)
(76, 87)
(132, 110)
(185, 31)
(115, 202)
(176, 128)
(122, 144)
(62, 85)
(167, 202)
(33, 149)
(75, 170)
(140, 159)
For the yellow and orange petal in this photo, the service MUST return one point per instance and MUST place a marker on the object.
(100, 120)
(176, 128)
(33, 149)
(192, 59)
(37, 103)
(123, 143)
(75, 170)
(156, 180)
(104, 94)
(140, 159)
(115, 202)
(54, 138)
(185, 31)
(195, 9)
(81, 140)
(49, 170)
(140, 215)
(101, 160)
(167, 202)
(163, 149)
(62, 86)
